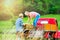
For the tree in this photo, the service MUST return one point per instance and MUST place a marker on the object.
(42, 6)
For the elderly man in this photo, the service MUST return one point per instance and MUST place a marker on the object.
(19, 27)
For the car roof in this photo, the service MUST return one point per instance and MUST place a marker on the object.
(49, 20)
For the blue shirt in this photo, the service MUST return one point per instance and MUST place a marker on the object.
(19, 23)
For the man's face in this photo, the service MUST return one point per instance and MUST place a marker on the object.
(22, 17)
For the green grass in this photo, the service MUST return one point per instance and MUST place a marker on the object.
(0, 36)
(6, 26)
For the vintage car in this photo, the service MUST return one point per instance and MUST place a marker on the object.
(50, 26)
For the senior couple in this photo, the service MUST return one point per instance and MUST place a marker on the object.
(19, 23)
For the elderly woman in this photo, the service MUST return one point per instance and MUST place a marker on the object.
(31, 15)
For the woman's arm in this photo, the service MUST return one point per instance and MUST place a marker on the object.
(29, 19)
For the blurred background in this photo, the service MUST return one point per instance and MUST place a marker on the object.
(10, 9)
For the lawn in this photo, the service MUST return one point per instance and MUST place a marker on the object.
(7, 29)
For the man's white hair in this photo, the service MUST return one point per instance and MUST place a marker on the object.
(21, 14)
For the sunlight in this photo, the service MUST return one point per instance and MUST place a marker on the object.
(11, 5)
(8, 6)
(8, 2)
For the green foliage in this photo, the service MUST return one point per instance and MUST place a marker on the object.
(4, 16)
(13, 20)
(42, 6)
